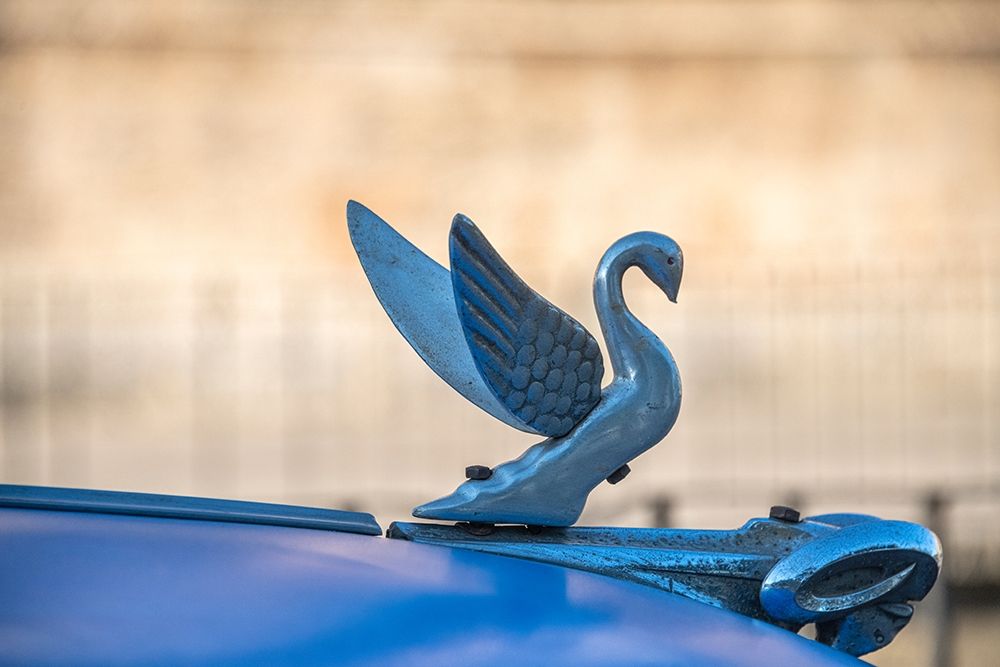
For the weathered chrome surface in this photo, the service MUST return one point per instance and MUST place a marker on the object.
(852, 575)
(184, 507)
(523, 350)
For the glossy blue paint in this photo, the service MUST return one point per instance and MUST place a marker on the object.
(540, 365)
(852, 575)
(96, 589)
(184, 507)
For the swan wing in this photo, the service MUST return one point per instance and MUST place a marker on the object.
(417, 294)
(543, 364)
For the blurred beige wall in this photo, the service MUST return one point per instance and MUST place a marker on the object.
(182, 311)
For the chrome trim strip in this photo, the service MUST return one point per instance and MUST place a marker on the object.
(185, 507)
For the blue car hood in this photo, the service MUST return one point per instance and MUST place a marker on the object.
(93, 588)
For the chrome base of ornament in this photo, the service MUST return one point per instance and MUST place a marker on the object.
(854, 576)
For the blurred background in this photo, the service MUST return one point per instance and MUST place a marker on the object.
(181, 310)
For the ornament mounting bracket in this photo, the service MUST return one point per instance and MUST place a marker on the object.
(854, 576)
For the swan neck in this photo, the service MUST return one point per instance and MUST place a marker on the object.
(621, 329)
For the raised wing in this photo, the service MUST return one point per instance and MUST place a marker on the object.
(538, 360)
(417, 294)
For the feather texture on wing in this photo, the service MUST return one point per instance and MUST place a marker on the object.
(541, 363)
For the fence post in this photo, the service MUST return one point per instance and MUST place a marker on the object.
(662, 508)
(938, 603)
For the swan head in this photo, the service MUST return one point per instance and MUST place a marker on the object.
(658, 256)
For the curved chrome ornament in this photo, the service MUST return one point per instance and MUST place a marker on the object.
(522, 359)
(852, 575)
(526, 362)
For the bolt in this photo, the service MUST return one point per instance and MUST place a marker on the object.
(619, 474)
(478, 472)
(782, 513)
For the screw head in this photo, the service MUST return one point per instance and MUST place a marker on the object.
(782, 513)
(478, 472)
(619, 474)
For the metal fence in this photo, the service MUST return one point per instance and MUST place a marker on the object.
(865, 388)
(832, 388)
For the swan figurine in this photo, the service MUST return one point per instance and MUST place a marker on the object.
(526, 362)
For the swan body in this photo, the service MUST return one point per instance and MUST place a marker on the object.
(528, 363)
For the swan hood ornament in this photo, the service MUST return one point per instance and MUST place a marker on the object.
(520, 358)
(526, 362)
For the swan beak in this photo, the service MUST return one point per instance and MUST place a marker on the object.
(673, 284)
(669, 281)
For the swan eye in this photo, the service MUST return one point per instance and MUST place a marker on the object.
(670, 261)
